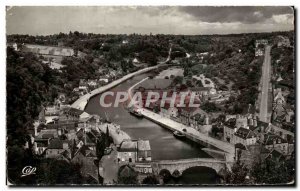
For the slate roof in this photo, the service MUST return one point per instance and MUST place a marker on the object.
(126, 171)
(262, 124)
(128, 145)
(270, 138)
(252, 127)
(143, 145)
(275, 154)
(89, 137)
(56, 143)
(244, 133)
(86, 151)
(47, 134)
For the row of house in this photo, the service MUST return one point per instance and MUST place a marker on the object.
(248, 130)
(282, 112)
(90, 84)
(261, 41)
(87, 85)
(72, 138)
(134, 151)
(259, 51)
(48, 50)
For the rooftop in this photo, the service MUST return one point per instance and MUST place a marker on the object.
(270, 139)
(56, 143)
(128, 145)
(47, 134)
(143, 145)
(75, 111)
(244, 133)
(230, 123)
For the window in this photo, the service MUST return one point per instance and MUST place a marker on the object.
(130, 159)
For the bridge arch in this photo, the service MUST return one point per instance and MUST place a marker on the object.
(165, 174)
(200, 167)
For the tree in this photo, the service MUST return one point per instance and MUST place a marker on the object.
(52, 172)
(100, 146)
(152, 180)
(209, 107)
(238, 173)
(189, 83)
(166, 175)
(178, 80)
(17, 159)
(272, 171)
(124, 65)
(107, 137)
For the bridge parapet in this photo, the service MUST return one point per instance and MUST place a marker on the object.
(183, 164)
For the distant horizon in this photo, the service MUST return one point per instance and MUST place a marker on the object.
(173, 20)
(292, 30)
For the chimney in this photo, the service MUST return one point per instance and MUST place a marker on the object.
(250, 121)
(255, 122)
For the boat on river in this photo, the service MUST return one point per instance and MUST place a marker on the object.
(136, 113)
(179, 135)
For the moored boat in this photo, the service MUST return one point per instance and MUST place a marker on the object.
(178, 135)
(135, 113)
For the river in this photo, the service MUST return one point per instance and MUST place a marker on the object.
(164, 146)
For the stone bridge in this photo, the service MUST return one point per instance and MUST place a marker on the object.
(183, 164)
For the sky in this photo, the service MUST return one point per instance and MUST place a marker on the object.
(186, 20)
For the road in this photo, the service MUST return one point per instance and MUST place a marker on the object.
(263, 110)
(82, 101)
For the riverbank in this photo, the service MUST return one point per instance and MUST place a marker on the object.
(83, 100)
(190, 132)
